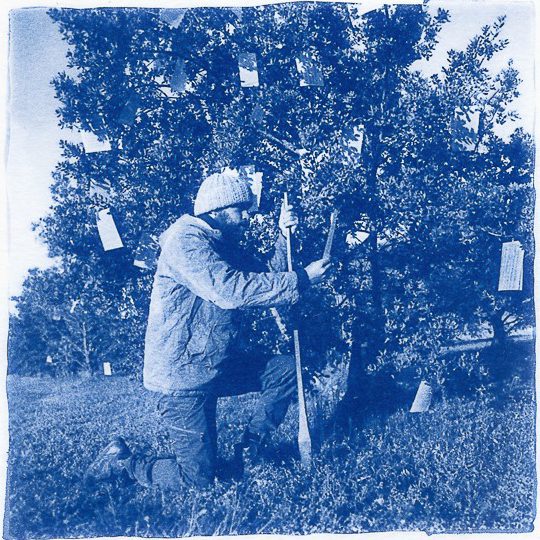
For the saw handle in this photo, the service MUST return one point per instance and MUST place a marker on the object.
(288, 238)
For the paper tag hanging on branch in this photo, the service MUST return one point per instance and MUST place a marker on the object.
(49, 359)
(257, 115)
(247, 67)
(92, 143)
(146, 254)
(256, 188)
(107, 230)
(309, 70)
(422, 401)
(107, 371)
(173, 17)
(511, 271)
(238, 12)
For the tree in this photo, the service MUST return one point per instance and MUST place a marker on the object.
(66, 321)
(171, 104)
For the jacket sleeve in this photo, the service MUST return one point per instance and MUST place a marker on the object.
(191, 260)
(278, 261)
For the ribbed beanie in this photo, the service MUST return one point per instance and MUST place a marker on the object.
(222, 189)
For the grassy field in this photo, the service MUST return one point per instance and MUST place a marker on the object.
(467, 465)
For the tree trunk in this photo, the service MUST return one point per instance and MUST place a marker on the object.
(368, 327)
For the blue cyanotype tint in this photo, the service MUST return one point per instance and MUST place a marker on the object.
(204, 152)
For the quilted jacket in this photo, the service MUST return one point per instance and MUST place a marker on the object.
(196, 290)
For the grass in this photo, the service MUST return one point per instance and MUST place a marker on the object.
(467, 465)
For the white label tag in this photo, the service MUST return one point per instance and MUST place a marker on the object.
(422, 401)
(511, 271)
(247, 66)
(49, 360)
(107, 230)
(256, 188)
(173, 17)
(107, 369)
(238, 12)
(179, 78)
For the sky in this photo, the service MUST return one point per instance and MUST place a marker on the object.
(37, 53)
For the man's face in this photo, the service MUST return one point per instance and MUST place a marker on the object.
(234, 221)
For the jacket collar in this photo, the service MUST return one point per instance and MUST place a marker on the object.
(210, 221)
(190, 221)
(194, 221)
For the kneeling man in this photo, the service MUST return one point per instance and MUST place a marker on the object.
(190, 353)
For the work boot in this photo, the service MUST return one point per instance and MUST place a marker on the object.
(109, 462)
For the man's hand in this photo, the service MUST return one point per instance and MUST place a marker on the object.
(316, 270)
(287, 218)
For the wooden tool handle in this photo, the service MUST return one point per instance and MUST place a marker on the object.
(304, 437)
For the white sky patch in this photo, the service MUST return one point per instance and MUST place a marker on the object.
(466, 20)
(356, 238)
(92, 143)
(358, 140)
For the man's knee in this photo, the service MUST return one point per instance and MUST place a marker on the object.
(189, 418)
(171, 475)
(286, 363)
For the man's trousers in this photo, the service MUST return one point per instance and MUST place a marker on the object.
(190, 419)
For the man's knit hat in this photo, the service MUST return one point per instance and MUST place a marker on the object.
(219, 190)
